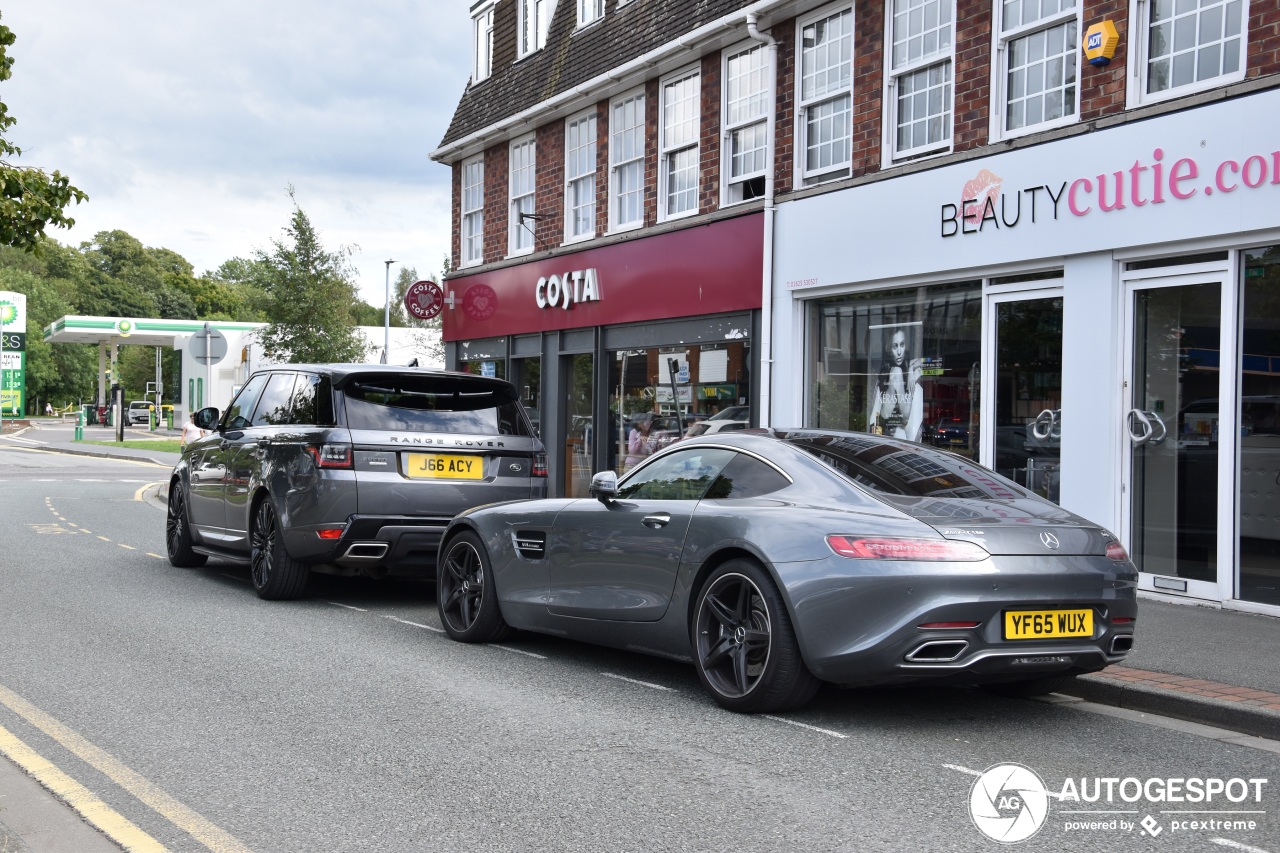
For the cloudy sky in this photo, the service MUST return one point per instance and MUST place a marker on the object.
(186, 122)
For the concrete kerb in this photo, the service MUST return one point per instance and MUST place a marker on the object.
(1248, 719)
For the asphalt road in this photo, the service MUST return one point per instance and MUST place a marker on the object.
(346, 721)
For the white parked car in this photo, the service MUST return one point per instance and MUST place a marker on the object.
(732, 418)
(139, 412)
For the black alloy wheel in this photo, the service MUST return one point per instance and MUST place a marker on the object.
(177, 532)
(743, 645)
(465, 595)
(276, 576)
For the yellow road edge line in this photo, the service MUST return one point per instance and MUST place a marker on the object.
(111, 823)
(198, 827)
(137, 496)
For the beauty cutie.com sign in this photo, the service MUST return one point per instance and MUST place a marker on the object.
(1199, 173)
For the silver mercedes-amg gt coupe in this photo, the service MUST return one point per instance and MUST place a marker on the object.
(775, 560)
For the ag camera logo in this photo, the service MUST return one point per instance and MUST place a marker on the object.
(1009, 803)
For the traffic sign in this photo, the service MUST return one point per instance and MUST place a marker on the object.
(208, 347)
(424, 300)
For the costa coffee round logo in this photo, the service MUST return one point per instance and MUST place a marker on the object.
(480, 302)
(423, 300)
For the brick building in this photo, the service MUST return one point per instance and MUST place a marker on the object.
(1040, 233)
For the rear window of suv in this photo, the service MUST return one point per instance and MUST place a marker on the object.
(433, 404)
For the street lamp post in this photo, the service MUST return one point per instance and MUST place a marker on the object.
(386, 340)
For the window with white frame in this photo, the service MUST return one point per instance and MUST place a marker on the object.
(472, 211)
(626, 162)
(482, 44)
(589, 11)
(826, 96)
(745, 115)
(580, 177)
(521, 227)
(678, 145)
(1189, 45)
(533, 19)
(920, 76)
(1038, 49)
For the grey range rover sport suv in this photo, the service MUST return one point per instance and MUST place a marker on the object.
(347, 469)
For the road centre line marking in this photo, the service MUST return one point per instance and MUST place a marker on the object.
(407, 622)
(641, 683)
(805, 726)
(516, 651)
(962, 769)
(348, 606)
(104, 539)
(111, 823)
(130, 547)
(1237, 845)
(157, 556)
(202, 830)
(82, 530)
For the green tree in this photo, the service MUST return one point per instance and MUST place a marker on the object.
(30, 199)
(310, 298)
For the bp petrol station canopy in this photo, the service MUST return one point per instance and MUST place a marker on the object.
(112, 332)
(124, 330)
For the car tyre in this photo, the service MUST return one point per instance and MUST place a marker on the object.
(1031, 687)
(275, 575)
(177, 532)
(465, 593)
(744, 647)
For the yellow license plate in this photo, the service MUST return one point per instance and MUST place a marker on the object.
(443, 466)
(1047, 624)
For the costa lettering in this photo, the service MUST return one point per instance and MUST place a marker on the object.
(567, 289)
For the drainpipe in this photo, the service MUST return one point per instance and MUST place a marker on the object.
(766, 296)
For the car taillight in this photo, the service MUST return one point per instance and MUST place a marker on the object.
(1122, 620)
(540, 465)
(330, 532)
(949, 625)
(332, 455)
(928, 550)
(1115, 551)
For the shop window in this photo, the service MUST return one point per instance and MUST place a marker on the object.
(522, 173)
(1259, 424)
(745, 114)
(626, 162)
(534, 18)
(678, 145)
(482, 43)
(580, 177)
(1037, 66)
(920, 77)
(903, 363)
(1184, 46)
(709, 393)
(826, 97)
(472, 211)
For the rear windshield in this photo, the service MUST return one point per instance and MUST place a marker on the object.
(896, 468)
(433, 404)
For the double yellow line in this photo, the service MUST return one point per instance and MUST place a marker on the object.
(114, 825)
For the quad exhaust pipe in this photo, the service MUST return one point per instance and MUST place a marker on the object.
(938, 651)
(366, 551)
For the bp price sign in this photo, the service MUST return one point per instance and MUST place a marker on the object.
(13, 355)
(423, 300)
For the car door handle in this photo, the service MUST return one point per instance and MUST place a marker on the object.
(658, 519)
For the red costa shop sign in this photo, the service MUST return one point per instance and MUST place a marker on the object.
(707, 269)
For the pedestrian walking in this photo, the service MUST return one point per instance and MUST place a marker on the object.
(190, 432)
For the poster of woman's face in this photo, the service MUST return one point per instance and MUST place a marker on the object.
(896, 402)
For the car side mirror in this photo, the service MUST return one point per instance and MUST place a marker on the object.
(207, 418)
(604, 486)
